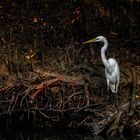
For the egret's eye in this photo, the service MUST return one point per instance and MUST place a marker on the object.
(97, 39)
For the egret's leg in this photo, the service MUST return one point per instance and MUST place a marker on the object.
(108, 98)
(117, 100)
(0, 80)
(107, 88)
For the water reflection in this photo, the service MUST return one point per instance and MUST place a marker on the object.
(31, 134)
(46, 135)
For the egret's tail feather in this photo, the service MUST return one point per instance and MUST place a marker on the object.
(114, 88)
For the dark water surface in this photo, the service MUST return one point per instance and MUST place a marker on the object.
(24, 134)
(57, 134)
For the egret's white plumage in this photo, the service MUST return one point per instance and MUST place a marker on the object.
(112, 72)
(113, 77)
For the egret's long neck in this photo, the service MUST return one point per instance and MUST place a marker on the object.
(104, 48)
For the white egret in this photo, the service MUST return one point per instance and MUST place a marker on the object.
(112, 72)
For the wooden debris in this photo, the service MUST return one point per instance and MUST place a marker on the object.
(41, 86)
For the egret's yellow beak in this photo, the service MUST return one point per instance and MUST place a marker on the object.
(90, 41)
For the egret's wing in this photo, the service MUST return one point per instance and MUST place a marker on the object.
(109, 69)
(112, 64)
